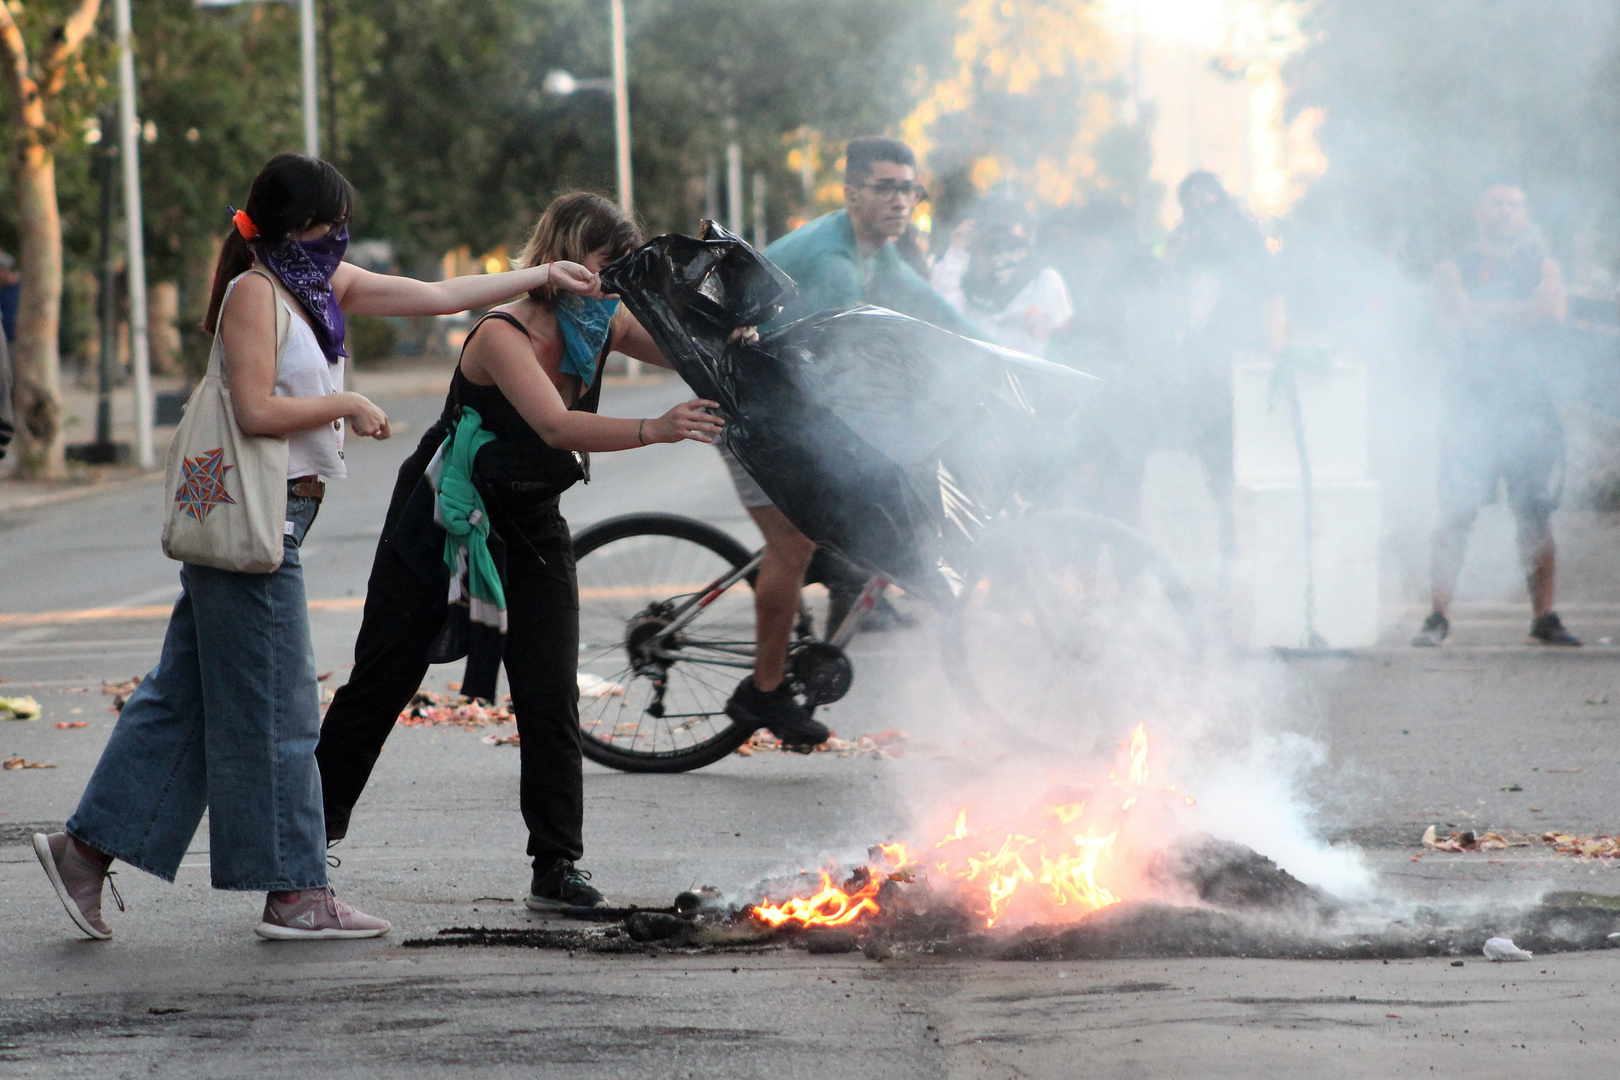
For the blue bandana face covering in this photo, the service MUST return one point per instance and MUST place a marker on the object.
(306, 268)
(584, 324)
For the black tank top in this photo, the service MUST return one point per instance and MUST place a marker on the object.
(519, 463)
(499, 415)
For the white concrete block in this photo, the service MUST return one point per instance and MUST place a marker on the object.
(1270, 522)
(1268, 605)
(1333, 403)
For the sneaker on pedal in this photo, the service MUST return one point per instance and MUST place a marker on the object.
(77, 879)
(1549, 629)
(562, 885)
(777, 711)
(315, 915)
(1436, 628)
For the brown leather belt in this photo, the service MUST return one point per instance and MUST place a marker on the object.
(307, 487)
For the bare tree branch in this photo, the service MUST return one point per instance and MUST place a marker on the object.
(65, 43)
(11, 38)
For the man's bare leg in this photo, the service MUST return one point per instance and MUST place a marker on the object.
(1445, 563)
(776, 593)
(1540, 558)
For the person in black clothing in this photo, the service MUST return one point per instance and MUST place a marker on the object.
(1496, 303)
(1232, 305)
(532, 370)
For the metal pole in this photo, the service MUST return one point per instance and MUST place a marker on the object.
(306, 36)
(759, 211)
(134, 244)
(734, 189)
(621, 109)
(107, 151)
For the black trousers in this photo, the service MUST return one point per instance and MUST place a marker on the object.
(402, 615)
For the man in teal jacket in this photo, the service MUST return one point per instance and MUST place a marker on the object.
(839, 260)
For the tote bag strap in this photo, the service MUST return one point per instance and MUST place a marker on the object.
(283, 318)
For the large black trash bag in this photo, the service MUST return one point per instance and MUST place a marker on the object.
(885, 438)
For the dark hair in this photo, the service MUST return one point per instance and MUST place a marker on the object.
(291, 193)
(862, 153)
(1205, 180)
(572, 227)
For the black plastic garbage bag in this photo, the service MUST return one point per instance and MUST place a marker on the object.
(887, 439)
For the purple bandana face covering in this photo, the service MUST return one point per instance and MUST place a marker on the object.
(306, 268)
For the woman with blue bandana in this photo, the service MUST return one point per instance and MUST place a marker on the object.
(482, 490)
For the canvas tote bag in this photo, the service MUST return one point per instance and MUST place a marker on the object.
(227, 489)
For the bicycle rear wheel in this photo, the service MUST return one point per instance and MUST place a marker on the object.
(649, 706)
(1068, 624)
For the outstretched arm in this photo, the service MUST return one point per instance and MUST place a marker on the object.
(361, 292)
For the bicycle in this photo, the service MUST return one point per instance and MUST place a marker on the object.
(667, 630)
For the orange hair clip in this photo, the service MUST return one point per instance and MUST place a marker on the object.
(244, 225)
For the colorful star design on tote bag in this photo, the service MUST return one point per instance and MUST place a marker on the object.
(203, 486)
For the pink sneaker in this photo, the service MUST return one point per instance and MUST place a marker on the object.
(315, 915)
(77, 879)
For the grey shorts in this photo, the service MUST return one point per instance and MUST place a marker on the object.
(752, 495)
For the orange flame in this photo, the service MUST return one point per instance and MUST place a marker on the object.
(831, 906)
(1055, 861)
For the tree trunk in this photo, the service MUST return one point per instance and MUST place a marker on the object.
(35, 357)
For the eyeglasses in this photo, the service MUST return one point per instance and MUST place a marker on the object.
(888, 189)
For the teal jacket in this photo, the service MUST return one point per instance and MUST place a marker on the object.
(823, 259)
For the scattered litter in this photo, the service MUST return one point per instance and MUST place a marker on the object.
(502, 740)
(430, 708)
(888, 743)
(1592, 847)
(1513, 787)
(594, 686)
(18, 708)
(1456, 963)
(120, 691)
(19, 763)
(1566, 770)
(323, 676)
(72, 723)
(1604, 641)
(1598, 699)
(1498, 949)
(1468, 840)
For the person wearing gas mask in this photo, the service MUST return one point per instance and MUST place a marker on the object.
(1496, 302)
(992, 275)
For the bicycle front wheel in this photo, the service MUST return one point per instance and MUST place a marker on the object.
(649, 701)
(1069, 625)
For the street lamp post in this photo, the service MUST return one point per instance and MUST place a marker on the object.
(621, 110)
(134, 244)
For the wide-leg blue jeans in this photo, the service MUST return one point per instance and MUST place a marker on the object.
(228, 722)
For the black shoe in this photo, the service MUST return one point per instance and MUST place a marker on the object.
(1548, 629)
(562, 885)
(1436, 628)
(777, 711)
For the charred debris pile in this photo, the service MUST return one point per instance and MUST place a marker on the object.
(1233, 902)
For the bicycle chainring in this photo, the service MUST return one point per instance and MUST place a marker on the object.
(821, 670)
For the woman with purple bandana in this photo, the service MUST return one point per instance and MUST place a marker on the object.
(229, 719)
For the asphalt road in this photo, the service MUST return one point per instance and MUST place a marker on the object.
(1397, 739)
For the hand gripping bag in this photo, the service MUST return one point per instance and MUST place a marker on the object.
(227, 490)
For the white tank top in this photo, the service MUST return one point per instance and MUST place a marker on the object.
(304, 372)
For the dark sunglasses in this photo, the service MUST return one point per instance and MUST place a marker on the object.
(888, 189)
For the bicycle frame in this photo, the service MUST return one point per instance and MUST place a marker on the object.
(693, 607)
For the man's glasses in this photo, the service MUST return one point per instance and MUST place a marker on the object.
(888, 189)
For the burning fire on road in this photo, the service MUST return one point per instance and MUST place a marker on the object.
(1053, 862)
